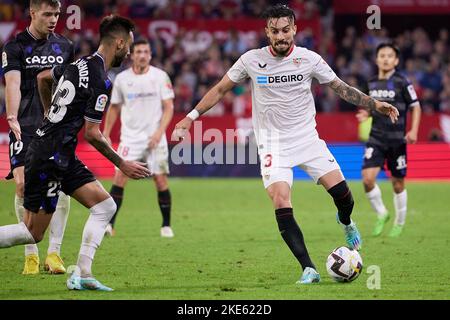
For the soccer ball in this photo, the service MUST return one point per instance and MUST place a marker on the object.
(344, 264)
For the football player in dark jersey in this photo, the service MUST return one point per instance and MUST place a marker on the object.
(387, 140)
(80, 98)
(31, 51)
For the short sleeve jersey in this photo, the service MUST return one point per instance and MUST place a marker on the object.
(83, 93)
(30, 56)
(283, 109)
(141, 97)
(398, 91)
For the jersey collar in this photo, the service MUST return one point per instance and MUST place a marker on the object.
(34, 38)
(389, 75)
(101, 57)
(288, 54)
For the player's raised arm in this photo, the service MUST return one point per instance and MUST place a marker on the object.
(44, 83)
(132, 169)
(210, 99)
(356, 97)
(12, 99)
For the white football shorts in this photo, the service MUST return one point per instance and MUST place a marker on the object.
(157, 159)
(313, 157)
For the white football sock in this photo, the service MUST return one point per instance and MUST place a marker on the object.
(15, 234)
(31, 249)
(400, 201)
(20, 210)
(58, 224)
(93, 233)
(376, 201)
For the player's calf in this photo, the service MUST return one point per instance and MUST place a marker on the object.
(343, 200)
(93, 233)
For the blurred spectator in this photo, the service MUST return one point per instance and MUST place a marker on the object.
(2, 95)
(432, 78)
(435, 135)
(196, 60)
(234, 46)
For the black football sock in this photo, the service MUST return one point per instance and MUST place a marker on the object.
(343, 200)
(165, 203)
(117, 195)
(292, 235)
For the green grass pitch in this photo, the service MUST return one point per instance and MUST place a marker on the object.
(227, 246)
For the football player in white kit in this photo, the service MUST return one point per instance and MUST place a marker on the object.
(284, 124)
(143, 96)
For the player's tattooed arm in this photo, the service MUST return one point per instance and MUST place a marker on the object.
(93, 135)
(133, 169)
(351, 94)
(45, 81)
(356, 97)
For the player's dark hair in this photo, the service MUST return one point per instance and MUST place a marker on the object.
(388, 45)
(112, 25)
(279, 11)
(139, 42)
(51, 3)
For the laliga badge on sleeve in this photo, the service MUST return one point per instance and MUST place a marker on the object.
(4, 60)
(100, 105)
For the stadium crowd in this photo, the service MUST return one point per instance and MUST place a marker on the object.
(195, 64)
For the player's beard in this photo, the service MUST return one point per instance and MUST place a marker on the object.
(279, 51)
(118, 59)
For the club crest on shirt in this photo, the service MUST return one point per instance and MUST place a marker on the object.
(100, 105)
(297, 61)
(4, 60)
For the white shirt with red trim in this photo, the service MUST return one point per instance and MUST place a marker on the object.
(283, 109)
(141, 97)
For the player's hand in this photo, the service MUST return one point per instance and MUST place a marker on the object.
(134, 169)
(181, 128)
(15, 127)
(411, 137)
(387, 109)
(362, 115)
(155, 139)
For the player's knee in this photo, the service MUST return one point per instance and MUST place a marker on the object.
(368, 182)
(120, 179)
(20, 187)
(281, 200)
(399, 187)
(104, 211)
(37, 235)
(161, 182)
